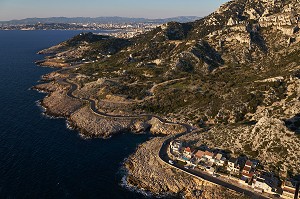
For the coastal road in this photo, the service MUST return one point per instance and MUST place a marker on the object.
(163, 150)
(94, 108)
(164, 156)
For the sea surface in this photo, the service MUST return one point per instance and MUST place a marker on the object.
(40, 157)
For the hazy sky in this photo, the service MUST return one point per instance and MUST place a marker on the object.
(17, 9)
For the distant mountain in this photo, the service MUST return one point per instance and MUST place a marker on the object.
(31, 21)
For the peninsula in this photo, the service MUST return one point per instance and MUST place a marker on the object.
(222, 92)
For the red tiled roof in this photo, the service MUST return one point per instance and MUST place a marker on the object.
(207, 153)
(250, 175)
(246, 168)
(249, 163)
(199, 154)
(188, 149)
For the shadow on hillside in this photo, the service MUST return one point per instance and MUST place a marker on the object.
(208, 55)
(256, 38)
(293, 124)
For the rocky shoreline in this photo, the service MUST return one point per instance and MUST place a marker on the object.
(90, 124)
(155, 177)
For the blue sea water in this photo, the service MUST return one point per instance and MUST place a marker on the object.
(40, 157)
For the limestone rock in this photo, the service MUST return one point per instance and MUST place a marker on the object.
(231, 22)
(157, 127)
(94, 125)
(59, 104)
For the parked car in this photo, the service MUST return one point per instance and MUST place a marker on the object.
(171, 162)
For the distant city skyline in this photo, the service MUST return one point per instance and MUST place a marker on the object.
(20, 9)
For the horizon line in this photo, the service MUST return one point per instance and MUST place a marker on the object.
(99, 17)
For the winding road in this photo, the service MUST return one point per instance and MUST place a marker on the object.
(94, 108)
(163, 150)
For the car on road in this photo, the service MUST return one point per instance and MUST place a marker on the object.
(171, 162)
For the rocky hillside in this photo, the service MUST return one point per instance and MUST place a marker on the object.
(269, 141)
(234, 67)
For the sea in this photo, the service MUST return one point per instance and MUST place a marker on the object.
(39, 156)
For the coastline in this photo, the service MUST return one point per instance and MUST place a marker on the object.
(125, 184)
(154, 177)
(82, 117)
(160, 179)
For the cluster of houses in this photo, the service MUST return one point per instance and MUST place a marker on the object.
(239, 169)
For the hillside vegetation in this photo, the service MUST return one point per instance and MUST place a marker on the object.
(238, 66)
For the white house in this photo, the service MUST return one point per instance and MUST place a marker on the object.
(219, 159)
(209, 156)
(175, 146)
(233, 166)
(231, 162)
(187, 152)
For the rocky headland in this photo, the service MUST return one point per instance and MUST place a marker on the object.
(57, 103)
(233, 74)
(92, 123)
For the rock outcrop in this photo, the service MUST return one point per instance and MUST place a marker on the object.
(57, 102)
(94, 125)
(160, 128)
